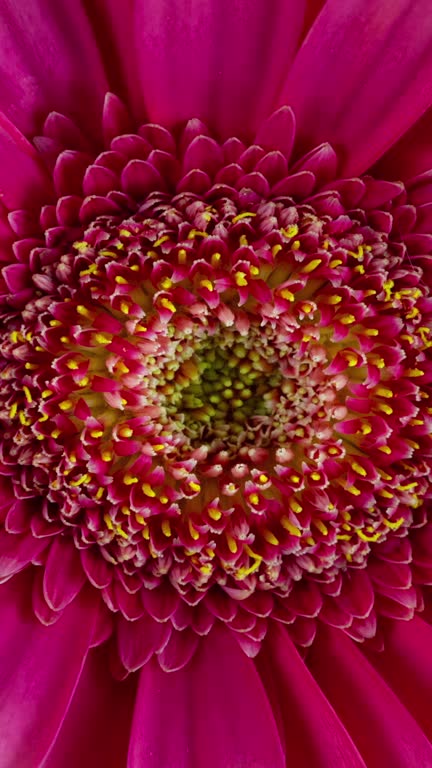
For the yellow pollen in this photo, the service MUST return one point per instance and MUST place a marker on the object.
(28, 395)
(96, 433)
(130, 479)
(83, 382)
(193, 531)
(334, 299)
(103, 338)
(276, 249)
(83, 310)
(161, 240)
(215, 259)
(108, 522)
(394, 525)
(359, 469)
(385, 408)
(270, 537)
(55, 433)
(385, 449)
(120, 280)
(167, 304)
(386, 494)
(196, 233)
(321, 527)
(295, 506)
(66, 405)
(240, 279)
(311, 266)
(292, 529)
(414, 372)
(371, 332)
(207, 284)
(232, 544)
(13, 410)
(263, 479)
(194, 486)
(120, 532)
(163, 499)
(347, 319)
(244, 215)
(99, 493)
(316, 476)
(43, 418)
(287, 295)
(353, 490)
(125, 432)
(148, 490)
(295, 246)
(83, 479)
(254, 499)
(365, 537)
(166, 528)
(384, 392)
(166, 284)
(214, 513)
(31, 366)
(106, 455)
(335, 263)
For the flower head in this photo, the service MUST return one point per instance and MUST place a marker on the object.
(215, 380)
(216, 383)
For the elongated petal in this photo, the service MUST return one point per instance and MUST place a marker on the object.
(49, 61)
(223, 61)
(314, 735)
(214, 710)
(383, 730)
(406, 667)
(411, 155)
(23, 179)
(39, 668)
(95, 731)
(365, 70)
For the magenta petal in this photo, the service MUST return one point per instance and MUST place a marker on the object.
(23, 179)
(139, 178)
(278, 132)
(64, 575)
(49, 60)
(139, 640)
(115, 119)
(178, 651)
(406, 667)
(16, 552)
(411, 155)
(223, 62)
(39, 668)
(217, 712)
(383, 730)
(314, 736)
(365, 70)
(98, 571)
(95, 731)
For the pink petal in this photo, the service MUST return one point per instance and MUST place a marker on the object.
(405, 665)
(139, 640)
(365, 70)
(39, 668)
(220, 61)
(23, 178)
(64, 575)
(411, 155)
(278, 132)
(95, 731)
(215, 710)
(49, 60)
(313, 734)
(383, 730)
(17, 551)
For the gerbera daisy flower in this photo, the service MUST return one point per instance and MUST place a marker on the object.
(215, 384)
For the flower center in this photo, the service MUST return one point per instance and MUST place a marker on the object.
(221, 392)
